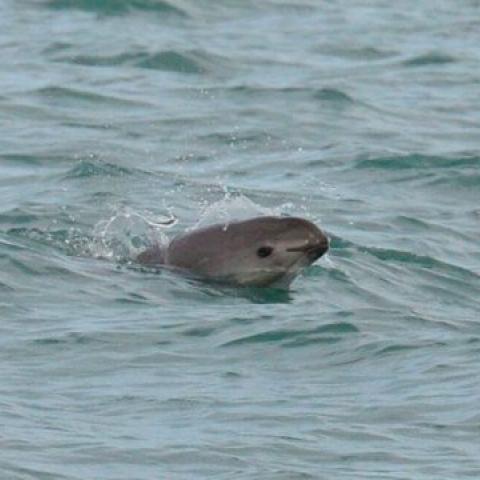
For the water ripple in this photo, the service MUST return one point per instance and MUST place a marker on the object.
(182, 62)
(118, 7)
(430, 59)
(416, 161)
(96, 167)
(330, 333)
(333, 95)
(69, 96)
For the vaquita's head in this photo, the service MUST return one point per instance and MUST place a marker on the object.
(259, 252)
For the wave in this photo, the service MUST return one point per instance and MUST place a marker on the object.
(55, 93)
(22, 159)
(118, 7)
(17, 216)
(404, 257)
(330, 333)
(187, 62)
(170, 61)
(430, 59)
(97, 168)
(464, 180)
(416, 161)
(358, 53)
(332, 95)
(324, 94)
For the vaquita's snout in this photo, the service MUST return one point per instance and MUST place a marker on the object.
(314, 244)
(313, 250)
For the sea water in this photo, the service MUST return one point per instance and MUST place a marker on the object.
(124, 122)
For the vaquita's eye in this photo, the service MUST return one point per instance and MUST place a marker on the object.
(263, 252)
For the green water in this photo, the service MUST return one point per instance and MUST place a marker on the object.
(117, 115)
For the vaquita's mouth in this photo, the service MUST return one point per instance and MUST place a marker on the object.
(313, 251)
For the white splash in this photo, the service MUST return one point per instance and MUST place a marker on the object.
(128, 232)
(232, 207)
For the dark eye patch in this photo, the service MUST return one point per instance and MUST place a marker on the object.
(263, 252)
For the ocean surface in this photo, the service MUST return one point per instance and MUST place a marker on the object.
(120, 116)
